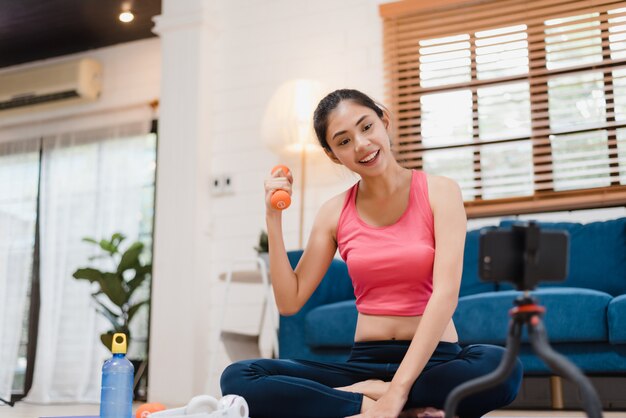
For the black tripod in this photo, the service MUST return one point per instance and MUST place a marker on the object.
(527, 312)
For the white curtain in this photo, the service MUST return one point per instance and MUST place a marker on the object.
(94, 183)
(19, 168)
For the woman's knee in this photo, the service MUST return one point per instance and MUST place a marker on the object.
(488, 357)
(238, 377)
(234, 377)
(494, 355)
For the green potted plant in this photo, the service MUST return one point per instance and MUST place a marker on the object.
(117, 285)
(262, 248)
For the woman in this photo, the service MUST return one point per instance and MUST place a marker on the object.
(405, 359)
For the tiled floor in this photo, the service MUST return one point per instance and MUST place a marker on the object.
(22, 410)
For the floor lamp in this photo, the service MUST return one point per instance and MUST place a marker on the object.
(287, 128)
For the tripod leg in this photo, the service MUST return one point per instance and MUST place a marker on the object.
(564, 367)
(490, 380)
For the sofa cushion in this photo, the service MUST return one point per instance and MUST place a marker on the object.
(470, 282)
(572, 315)
(597, 255)
(331, 325)
(617, 320)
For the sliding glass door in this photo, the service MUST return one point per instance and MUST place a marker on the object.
(93, 183)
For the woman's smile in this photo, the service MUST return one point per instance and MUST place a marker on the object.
(370, 159)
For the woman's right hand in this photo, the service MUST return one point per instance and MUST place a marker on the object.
(278, 180)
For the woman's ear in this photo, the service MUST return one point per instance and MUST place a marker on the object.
(386, 118)
(332, 156)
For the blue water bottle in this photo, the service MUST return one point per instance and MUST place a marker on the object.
(116, 397)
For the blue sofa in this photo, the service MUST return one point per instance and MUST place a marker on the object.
(585, 317)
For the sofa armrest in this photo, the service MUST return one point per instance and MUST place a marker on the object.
(335, 286)
(617, 320)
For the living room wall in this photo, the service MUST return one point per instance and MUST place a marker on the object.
(131, 79)
(246, 50)
(259, 46)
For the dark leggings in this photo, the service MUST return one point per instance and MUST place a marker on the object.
(304, 389)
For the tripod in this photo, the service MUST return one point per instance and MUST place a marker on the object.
(528, 312)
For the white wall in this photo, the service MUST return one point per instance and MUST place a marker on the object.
(130, 80)
(257, 46)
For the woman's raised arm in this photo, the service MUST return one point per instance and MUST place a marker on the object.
(292, 288)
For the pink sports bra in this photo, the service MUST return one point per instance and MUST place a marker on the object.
(391, 266)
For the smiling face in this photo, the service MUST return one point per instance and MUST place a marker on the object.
(358, 138)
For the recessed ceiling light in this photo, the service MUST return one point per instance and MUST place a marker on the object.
(126, 15)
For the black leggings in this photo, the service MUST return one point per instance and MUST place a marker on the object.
(304, 389)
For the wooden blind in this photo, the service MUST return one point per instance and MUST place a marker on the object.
(522, 102)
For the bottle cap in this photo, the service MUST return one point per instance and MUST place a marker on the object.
(119, 343)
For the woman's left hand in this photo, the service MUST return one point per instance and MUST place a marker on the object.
(388, 406)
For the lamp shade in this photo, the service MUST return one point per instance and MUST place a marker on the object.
(287, 125)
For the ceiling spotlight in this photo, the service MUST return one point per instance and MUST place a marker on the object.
(126, 15)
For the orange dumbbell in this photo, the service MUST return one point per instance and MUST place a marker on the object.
(146, 409)
(280, 199)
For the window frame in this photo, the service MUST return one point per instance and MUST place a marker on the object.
(541, 200)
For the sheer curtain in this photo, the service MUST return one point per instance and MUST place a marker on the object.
(19, 169)
(94, 183)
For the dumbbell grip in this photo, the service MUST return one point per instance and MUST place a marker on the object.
(280, 199)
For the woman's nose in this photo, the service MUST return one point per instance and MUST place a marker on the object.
(361, 142)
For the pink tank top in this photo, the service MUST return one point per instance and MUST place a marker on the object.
(391, 266)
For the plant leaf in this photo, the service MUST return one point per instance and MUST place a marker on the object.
(108, 246)
(135, 282)
(96, 257)
(145, 269)
(133, 309)
(88, 239)
(141, 274)
(88, 273)
(117, 238)
(107, 339)
(111, 285)
(130, 258)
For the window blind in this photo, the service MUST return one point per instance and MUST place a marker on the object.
(523, 103)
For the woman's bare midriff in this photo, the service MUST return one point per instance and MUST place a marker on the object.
(384, 327)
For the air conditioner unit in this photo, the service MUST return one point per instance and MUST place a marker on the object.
(50, 85)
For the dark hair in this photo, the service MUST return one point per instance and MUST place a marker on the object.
(330, 102)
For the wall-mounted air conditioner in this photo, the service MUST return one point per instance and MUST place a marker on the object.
(50, 85)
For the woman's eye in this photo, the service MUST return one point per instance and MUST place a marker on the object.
(344, 141)
(367, 127)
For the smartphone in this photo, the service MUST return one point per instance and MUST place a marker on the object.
(501, 256)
